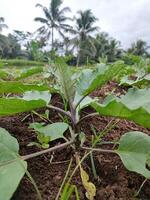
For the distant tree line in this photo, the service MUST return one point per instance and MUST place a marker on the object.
(80, 40)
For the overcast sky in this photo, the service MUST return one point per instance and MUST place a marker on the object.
(125, 20)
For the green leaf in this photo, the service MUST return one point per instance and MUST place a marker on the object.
(29, 72)
(90, 80)
(135, 106)
(138, 83)
(54, 131)
(68, 191)
(36, 95)
(3, 75)
(18, 87)
(7, 144)
(67, 85)
(134, 150)
(82, 138)
(84, 103)
(10, 177)
(12, 168)
(14, 106)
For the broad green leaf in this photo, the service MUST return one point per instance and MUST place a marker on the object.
(29, 72)
(12, 168)
(14, 106)
(134, 150)
(90, 80)
(135, 106)
(36, 95)
(138, 83)
(54, 131)
(10, 177)
(18, 87)
(7, 144)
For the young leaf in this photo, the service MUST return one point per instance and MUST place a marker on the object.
(82, 138)
(54, 131)
(134, 150)
(135, 106)
(67, 192)
(12, 168)
(83, 104)
(63, 75)
(13, 106)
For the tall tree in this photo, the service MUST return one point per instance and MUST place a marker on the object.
(9, 47)
(54, 20)
(83, 29)
(139, 48)
(106, 47)
(2, 24)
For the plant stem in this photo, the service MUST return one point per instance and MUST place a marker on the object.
(80, 101)
(41, 117)
(34, 184)
(100, 150)
(77, 166)
(140, 188)
(56, 148)
(93, 166)
(64, 180)
(89, 115)
(108, 128)
(67, 113)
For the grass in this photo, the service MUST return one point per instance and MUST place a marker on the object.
(19, 63)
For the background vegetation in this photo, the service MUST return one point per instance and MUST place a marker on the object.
(75, 38)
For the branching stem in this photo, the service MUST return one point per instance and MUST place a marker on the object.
(67, 113)
(89, 115)
(55, 148)
(100, 150)
(80, 102)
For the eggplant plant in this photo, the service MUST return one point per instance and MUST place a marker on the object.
(133, 148)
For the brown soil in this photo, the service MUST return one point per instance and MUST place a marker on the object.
(114, 181)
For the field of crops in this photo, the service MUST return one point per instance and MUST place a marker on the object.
(74, 132)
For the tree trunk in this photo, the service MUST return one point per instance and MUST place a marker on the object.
(52, 38)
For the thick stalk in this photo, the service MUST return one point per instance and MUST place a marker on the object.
(75, 130)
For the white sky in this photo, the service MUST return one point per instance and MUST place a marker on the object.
(126, 20)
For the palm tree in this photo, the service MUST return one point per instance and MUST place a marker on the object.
(114, 50)
(139, 48)
(2, 24)
(82, 31)
(106, 47)
(101, 43)
(54, 19)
